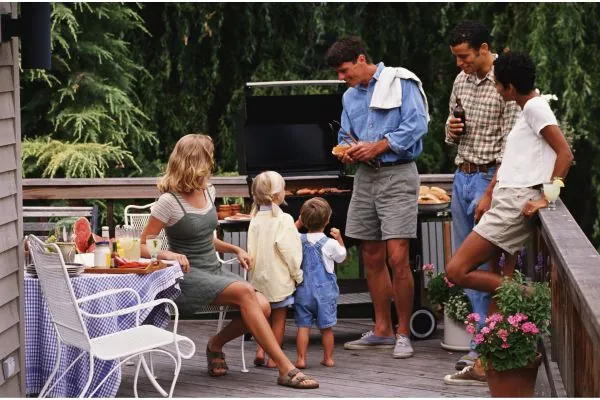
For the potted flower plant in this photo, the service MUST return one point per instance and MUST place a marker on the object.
(507, 344)
(450, 299)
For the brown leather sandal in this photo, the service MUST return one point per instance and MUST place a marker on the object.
(297, 380)
(214, 365)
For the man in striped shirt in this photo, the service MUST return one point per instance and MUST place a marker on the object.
(480, 142)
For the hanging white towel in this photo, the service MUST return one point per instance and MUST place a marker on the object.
(388, 90)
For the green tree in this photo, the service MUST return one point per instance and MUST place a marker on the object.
(82, 118)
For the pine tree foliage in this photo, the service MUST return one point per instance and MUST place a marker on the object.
(88, 101)
(74, 160)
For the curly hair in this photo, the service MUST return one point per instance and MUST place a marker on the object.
(346, 49)
(190, 165)
(517, 69)
(472, 32)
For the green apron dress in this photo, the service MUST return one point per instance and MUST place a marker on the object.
(193, 237)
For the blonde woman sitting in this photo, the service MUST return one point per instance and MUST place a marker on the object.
(187, 212)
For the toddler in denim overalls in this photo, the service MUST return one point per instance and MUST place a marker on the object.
(316, 297)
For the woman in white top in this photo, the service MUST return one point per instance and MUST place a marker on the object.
(535, 152)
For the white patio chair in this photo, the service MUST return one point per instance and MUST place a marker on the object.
(67, 317)
(139, 220)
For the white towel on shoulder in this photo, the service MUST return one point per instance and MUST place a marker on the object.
(388, 90)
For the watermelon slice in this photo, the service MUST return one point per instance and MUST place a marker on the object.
(85, 240)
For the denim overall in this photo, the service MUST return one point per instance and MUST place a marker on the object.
(315, 298)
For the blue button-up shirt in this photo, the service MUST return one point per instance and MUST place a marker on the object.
(403, 127)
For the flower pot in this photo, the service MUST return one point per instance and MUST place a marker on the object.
(224, 211)
(518, 382)
(235, 209)
(456, 337)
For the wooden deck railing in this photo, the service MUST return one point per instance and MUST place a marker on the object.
(574, 273)
(112, 189)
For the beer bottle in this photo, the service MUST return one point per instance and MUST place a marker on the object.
(459, 112)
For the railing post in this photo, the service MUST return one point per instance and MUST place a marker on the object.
(110, 220)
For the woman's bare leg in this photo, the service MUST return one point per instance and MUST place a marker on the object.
(462, 268)
(236, 327)
(241, 294)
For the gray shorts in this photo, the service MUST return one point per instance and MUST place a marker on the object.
(384, 203)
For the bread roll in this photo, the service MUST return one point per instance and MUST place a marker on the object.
(445, 198)
(429, 199)
(437, 191)
(339, 150)
(303, 192)
(423, 190)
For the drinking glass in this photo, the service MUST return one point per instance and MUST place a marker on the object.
(153, 243)
(551, 191)
(124, 242)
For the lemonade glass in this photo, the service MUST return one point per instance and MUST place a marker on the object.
(551, 191)
(154, 244)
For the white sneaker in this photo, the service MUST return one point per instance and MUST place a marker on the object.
(403, 349)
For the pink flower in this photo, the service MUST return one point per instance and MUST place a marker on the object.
(513, 320)
(428, 267)
(478, 338)
(503, 334)
(494, 318)
(470, 329)
(530, 327)
(521, 317)
(485, 330)
(473, 317)
(448, 283)
(492, 325)
(505, 345)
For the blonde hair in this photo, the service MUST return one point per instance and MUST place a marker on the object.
(266, 188)
(189, 165)
(315, 213)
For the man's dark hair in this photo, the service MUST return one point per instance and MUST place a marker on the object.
(517, 69)
(474, 33)
(346, 49)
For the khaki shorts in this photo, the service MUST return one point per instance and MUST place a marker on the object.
(504, 224)
(384, 203)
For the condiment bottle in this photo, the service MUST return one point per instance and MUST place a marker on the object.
(102, 255)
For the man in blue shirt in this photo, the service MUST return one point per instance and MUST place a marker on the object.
(384, 118)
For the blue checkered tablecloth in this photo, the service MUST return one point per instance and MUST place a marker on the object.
(41, 338)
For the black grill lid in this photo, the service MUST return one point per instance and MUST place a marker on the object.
(289, 134)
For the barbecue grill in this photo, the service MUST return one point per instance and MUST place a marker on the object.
(292, 135)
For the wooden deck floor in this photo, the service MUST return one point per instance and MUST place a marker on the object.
(366, 373)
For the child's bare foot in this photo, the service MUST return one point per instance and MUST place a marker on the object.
(328, 363)
(300, 364)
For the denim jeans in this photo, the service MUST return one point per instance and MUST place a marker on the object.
(467, 189)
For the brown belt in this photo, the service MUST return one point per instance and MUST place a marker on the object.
(470, 168)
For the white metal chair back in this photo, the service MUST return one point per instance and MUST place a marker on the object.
(58, 292)
(138, 220)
